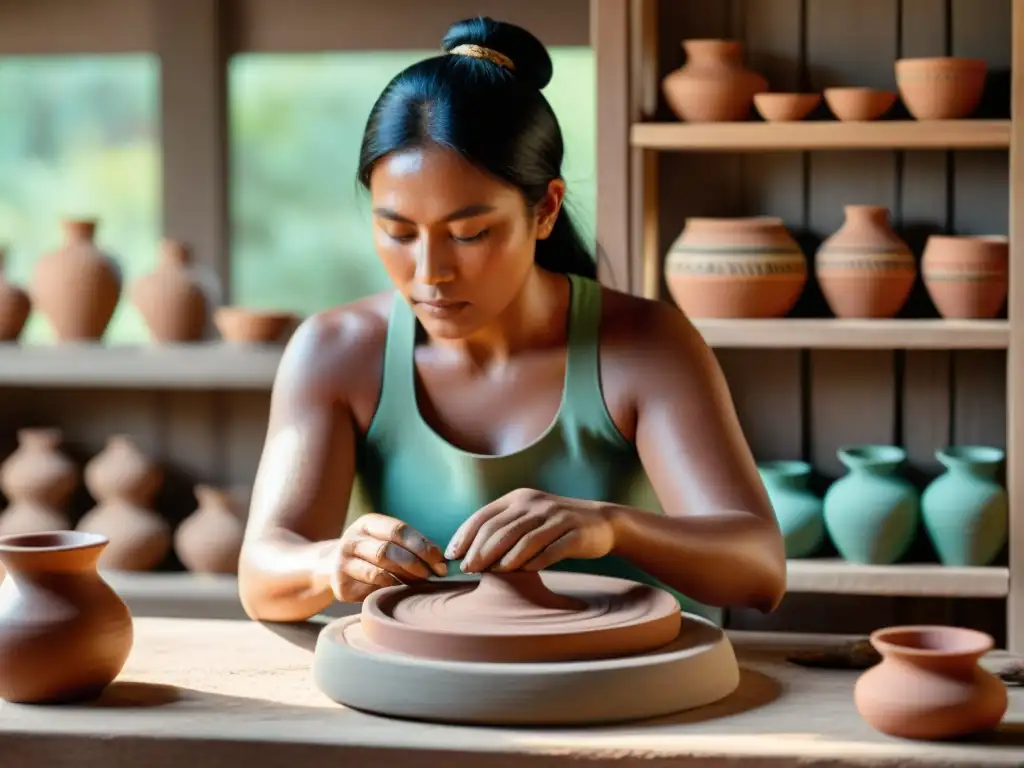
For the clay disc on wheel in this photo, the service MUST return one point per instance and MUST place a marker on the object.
(522, 617)
(696, 669)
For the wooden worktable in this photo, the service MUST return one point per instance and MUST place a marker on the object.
(199, 693)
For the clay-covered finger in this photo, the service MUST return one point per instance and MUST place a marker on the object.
(369, 573)
(390, 557)
(408, 538)
(532, 543)
(499, 535)
(467, 533)
(559, 549)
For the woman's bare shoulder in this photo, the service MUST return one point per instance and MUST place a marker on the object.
(644, 324)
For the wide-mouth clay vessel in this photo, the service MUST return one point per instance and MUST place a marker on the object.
(941, 87)
(858, 104)
(785, 107)
(524, 648)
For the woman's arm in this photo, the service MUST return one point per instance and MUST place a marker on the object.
(303, 484)
(719, 541)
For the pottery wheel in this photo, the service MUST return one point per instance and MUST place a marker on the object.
(561, 648)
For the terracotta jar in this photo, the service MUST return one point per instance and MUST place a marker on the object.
(64, 633)
(967, 277)
(747, 267)
(865, 269)
(38, 480)
(210, 539)
(78, 286)
(713, 85)
(941, 87)
(124, 483)
(929, 684)
(15, 306)
(171, 298)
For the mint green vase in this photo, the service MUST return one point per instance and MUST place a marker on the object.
(797, 508)
(871, 513)
(965, 509)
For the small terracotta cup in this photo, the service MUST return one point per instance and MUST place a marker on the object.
(785, 107)
(254, 326)
(859, 104)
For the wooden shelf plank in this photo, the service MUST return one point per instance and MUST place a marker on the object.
(837, 577)
(186, 366)
(828, 333)
(822, 134)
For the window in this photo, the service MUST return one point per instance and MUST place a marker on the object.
(79, 137)
(300, 224)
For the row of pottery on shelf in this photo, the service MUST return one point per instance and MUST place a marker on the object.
(78, 287)
(872, 514)
(753, 268)
(714, 85)
(38, 480)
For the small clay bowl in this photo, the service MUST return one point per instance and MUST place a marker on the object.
(859, 104)
(253, 326)
(941, 87)
(785, 107)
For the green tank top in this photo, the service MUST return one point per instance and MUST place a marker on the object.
(408, 471)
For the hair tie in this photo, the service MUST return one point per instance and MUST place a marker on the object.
(488, 54)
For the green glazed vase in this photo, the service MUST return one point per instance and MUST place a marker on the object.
(872, 513)
(797, 508)
(965, 509)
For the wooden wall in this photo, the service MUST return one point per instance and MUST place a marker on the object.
(805, 404)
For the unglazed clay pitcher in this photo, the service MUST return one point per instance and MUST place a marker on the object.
(797, 508)
(64, 633)
(966, 510)
(929, 684)
(124, 483)
(15, 306)
(967, 277)
(713, 85)
(745, 267)
(171, 298)
(210, 539)
(872, 513)
(38, 480)
(78, 286)
(865, 270)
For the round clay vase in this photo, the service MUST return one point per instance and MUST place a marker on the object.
(124, 483)
(941, 87)
(65, 635)
(929, 684)
(740, 268)
(713, 86)
(865, 269)
(15, 306)
(171, 298)
(210, 539)
(77, 287)
(965, 510)
(797, 508)
(38, 481)
(872, 514)
(967, 277)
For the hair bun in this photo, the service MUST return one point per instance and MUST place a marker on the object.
(528, 54)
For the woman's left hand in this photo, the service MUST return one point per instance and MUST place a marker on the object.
(529, 530)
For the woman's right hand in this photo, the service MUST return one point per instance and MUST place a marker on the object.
(379, 551)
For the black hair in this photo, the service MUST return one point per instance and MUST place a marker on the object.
(494, 116)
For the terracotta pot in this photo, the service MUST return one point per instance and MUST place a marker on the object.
(125, 483)
(15, 306)
(967, 277)
(78, 286)
(254, 326)
(865, 269)
(941, 87)
(747, 267)
(64, 633)
(38, 480)
(713, 85)
(929, 684)
(858, 104)
(171, 298)
(210, 539)
(785, 107)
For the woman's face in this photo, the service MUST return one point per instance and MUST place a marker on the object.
(458, 243)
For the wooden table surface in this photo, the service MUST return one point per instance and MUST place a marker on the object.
(199, 693)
